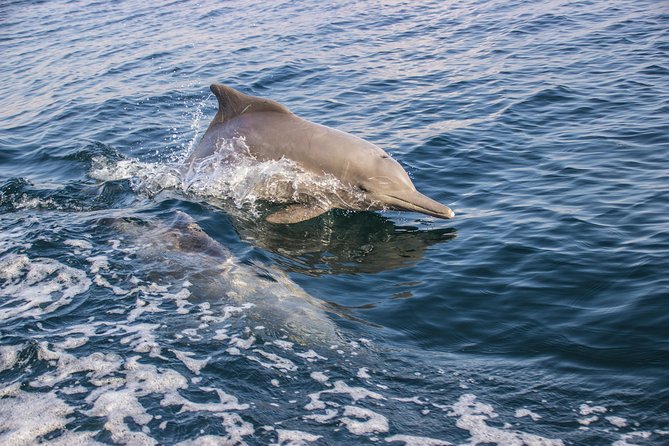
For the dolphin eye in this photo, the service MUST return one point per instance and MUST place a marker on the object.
(384, 156)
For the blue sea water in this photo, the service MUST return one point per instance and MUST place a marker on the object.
(138, 309)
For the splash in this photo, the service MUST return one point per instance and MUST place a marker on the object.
(230, 175)
(195, 126)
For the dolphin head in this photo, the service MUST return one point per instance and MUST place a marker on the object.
(391, 186)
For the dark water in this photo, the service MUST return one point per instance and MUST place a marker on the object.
(538, 316)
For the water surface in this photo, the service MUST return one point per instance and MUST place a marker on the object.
(140, 308)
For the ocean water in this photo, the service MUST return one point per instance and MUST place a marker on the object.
(138, 306)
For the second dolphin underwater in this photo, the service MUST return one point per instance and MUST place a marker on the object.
(367, 177)
(179, 250)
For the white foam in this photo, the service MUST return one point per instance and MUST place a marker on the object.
(311, 356)
(322, 418)
(230, 310)
(194, 365)
(98, 263)
(180, 300)
(8, 356)
(617, 421)
(105, 170)
(443, 407)
(81, 244)
(70, 438)
(284, 345)
(340, 387)
(87, 330)
(363, 373)
(146, 379)
(98, 364)
(38, 286)
(74, 390)
(120, 385)
(372, 422)
(226, 402)
(623, 441)
(585, 409)
(141, 338)
(26, 416)
(520, 413)
(236, 427)
(472, 416)
(10, 390)
(71, 343)
(588, 420)
(206, 440)
(410, 440)
(276, 361)
(242, 344)
(221, 334)
(413, 399)
(294, 437)
(141, 307)
(26, 202)
(233, 351)
(102, 282)
(192, 334)
(116, 405)
(319, 376)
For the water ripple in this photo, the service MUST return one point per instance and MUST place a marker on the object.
(545, 126)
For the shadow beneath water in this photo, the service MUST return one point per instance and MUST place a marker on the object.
(340, 242)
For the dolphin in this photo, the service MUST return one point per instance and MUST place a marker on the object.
(368, 178)
(180, 250)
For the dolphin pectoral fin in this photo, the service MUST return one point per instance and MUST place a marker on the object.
(296, 213)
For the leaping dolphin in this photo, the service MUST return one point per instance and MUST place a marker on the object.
(370, 178)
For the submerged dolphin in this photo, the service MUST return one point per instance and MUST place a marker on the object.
(370, 179)
(182, 251)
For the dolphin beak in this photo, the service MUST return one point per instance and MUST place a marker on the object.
(416, 202)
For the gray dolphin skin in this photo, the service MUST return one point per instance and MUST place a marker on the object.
(371, 179)
(182, 251)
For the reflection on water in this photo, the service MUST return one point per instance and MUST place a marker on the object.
(341, 242)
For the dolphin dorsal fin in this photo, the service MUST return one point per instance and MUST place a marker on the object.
(233, 103)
